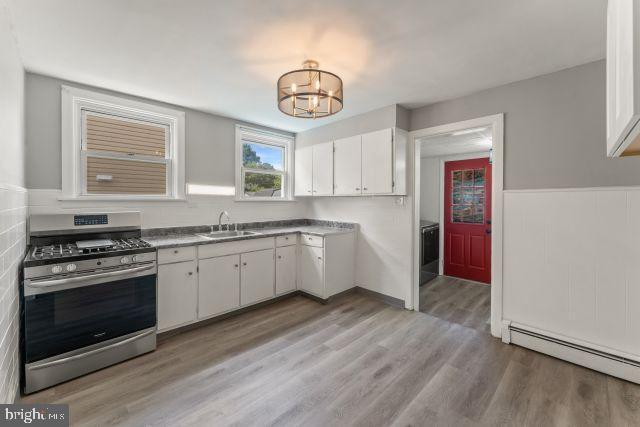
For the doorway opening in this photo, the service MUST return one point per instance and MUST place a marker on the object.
(458, 222)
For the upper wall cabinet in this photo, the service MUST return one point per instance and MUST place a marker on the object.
(322, 178)
(304, 172)
(377, 162)
(314, 170)
(369, 164)
(347, 161)
(623, 78)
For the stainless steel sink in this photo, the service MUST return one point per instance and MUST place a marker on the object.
(227, 234)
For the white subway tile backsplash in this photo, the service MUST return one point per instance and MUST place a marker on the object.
(13, 212)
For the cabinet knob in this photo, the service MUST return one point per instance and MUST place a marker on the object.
(365, 188)
(357, 188)
(286, 238)
(320, 258)
(235, 265)
(279, 256)
(191, 273)
(244, 263)
(308, 191)
(175, 251)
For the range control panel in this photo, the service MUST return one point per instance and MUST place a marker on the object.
(80, 220)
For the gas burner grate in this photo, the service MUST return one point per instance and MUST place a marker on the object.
(70, 249)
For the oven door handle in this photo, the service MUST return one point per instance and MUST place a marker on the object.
(92, 352)
(69, 280)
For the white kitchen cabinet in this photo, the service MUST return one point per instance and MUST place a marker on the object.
(286, 263)
(322, 174)
(177, 294)
(312, 270)
(347, 166)
(623, 77)
(304, 172)
(326, 265)
(218, 285)
(256, 276)
(377, 162)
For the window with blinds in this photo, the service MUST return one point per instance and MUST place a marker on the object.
(124, 156)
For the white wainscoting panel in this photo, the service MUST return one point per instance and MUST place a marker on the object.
(572, 265)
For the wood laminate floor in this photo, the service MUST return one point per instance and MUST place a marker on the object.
(458, 301)
(355, 361)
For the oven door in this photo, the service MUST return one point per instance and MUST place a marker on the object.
(61, 317)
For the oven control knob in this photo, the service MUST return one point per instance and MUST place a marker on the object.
(124, 260)
(71, 267)
(134, 258)
(56, 269)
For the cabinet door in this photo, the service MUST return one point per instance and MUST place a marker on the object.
(347, 166)
(285, 269)
(304, 171)
(622, 95)
(256, 276)
(177, 294)
(377, 162)
(312, 270)
(218, 285)
(323, 169)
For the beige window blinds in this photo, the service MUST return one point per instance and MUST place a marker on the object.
(124, 156)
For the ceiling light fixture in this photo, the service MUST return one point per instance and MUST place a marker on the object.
(309, 92)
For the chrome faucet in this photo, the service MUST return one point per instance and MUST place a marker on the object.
(223, 213)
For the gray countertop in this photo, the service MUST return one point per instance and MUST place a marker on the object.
(190, 239)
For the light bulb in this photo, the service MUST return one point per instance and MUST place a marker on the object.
(315, 101)
(317, 84)
(294, 87)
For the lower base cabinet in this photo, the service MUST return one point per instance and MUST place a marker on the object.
(256, 276)
(218, 285)
(286, 263)
(177, 294)
(312, 270)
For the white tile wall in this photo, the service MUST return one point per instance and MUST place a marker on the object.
(13, 211)
(572, 265)
(196, 210)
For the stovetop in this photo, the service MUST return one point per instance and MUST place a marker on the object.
(53, 253)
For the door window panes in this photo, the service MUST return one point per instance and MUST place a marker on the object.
(468, 196)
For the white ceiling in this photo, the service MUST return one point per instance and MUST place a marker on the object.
(225, 57)
(475, 140)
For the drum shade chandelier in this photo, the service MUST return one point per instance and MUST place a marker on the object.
(309, 93)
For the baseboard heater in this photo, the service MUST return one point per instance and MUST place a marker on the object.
(598, 360)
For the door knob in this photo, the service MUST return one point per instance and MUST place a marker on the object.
(488, 231)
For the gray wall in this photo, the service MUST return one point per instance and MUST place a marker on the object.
(210, 139)
(554, 129)
(382, 118)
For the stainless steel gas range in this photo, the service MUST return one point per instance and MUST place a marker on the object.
(88, 296)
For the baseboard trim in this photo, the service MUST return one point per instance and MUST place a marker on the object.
(392, 301)
(580, 355)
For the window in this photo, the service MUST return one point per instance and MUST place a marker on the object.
(118, 148)
(262, 165)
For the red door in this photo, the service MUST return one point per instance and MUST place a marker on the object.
(467, 219)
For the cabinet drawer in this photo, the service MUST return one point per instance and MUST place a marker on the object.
(310, 240)
(289, 239)
(240, 246)
(169, 255)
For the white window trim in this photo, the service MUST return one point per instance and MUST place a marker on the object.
(267, 138)
(74, 100)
